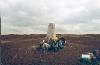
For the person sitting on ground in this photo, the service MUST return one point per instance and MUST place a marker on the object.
(55, 42)
(46, 46)
(50, 42)
(62, 40)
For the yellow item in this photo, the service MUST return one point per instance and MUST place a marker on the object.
(54, 38)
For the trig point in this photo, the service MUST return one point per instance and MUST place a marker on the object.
(51, 30)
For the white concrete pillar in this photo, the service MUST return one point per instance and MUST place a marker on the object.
(51, 30)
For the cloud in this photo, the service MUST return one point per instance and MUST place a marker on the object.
(33, 16)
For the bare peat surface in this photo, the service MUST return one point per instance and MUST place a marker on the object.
(18, 49)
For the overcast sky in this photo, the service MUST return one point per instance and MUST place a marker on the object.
(33, 16)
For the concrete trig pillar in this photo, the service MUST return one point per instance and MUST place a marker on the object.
(51, 30)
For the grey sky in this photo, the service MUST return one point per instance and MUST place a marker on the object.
(33, 16)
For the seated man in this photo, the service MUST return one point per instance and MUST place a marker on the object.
(61, 45)
(61, 42)
(55, 42)
(45, 45)
(50, 42)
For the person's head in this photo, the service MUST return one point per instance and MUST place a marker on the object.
(54, 37)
